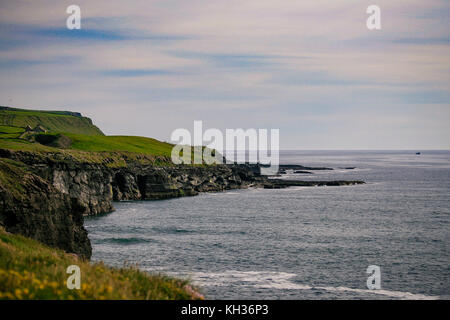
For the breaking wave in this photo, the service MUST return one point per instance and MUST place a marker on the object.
(283, 281)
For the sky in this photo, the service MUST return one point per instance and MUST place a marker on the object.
(311, 69)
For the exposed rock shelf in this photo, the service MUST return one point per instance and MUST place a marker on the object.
(280, 183)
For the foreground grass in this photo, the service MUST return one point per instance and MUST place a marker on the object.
(30, 270)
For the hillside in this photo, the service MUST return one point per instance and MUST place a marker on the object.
(135, 144)
(30, 270)
(54, 121)
(71, 134)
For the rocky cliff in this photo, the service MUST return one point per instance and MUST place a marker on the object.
(33, 207)
(46, 199)
(96, 185)
(45, 196)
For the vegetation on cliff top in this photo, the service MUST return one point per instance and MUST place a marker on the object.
(51, 142)
(30, 270)
(60, 136)
(55, 121)
(134, 144)
(73, 137)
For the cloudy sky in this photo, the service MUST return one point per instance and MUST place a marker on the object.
(309, 68)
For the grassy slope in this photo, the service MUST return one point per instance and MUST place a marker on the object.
(120, 143)
(53, 121)
(83, 134)
(141, 145)
(112, 151)
(30, 270)
(88, 144)
(9, 129)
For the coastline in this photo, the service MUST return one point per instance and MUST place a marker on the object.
(53, 176)
(90, 188)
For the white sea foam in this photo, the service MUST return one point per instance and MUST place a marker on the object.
(283, 281)
(394, 294)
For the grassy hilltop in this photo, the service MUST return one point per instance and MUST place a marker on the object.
(70, 133)
(55, 121)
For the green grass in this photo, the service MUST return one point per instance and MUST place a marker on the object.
(51, 120)
(113, 151)
(9, 135)
(83, 134)
(8, 132)
(23, 145)
(30, 270)
(9, 129)
(113, 159)
(87, 143)
(12, 175)
(134, 144)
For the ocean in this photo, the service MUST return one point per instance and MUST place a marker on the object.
(299, 242)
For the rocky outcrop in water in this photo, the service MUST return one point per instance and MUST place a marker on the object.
(300, 167)
(280, 183)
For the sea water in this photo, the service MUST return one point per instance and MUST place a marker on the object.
(299, 242)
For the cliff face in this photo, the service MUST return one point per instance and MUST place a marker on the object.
(147, 182)
(31, 206)
(46, 199)
(90, 185)
(95, 186)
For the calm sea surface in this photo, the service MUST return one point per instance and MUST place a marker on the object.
(300, 242)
